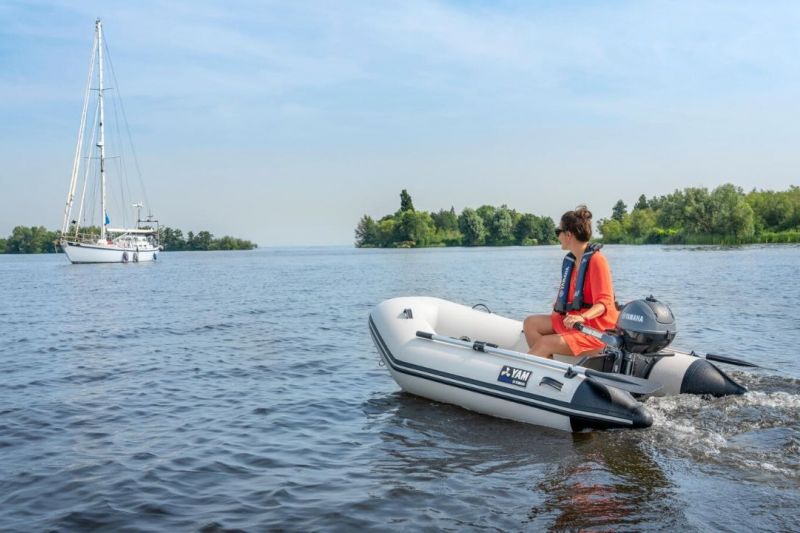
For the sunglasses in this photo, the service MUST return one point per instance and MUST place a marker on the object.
(559, 231)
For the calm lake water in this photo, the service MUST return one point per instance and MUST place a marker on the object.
(225, 390)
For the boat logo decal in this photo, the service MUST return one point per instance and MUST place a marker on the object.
(514, 376)
(631, 316)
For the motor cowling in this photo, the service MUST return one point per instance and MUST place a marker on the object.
(646, 326)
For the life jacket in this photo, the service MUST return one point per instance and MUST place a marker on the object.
(561, 305)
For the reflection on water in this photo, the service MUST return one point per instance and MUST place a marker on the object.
(562, 480)
(611, 481)
(430, 431)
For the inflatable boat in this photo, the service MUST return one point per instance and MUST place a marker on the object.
(490, 377)
(455, 354)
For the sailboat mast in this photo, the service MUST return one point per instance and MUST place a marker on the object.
(79, 146)
(102, 138)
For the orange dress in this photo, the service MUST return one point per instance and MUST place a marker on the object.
(597, 289)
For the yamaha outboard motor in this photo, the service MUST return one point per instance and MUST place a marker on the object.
(646, 326)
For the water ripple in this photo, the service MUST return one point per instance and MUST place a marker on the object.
(241, 391)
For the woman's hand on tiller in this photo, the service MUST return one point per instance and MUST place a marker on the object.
(571, 320)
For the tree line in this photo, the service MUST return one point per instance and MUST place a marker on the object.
(484, 226)
(725, 215)
(173, 240)
(36, 240)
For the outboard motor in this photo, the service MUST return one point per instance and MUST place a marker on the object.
(643, 330)
(646, 326)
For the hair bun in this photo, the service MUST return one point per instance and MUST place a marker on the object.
(583, 212)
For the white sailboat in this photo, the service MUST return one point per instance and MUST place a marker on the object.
(111, 244)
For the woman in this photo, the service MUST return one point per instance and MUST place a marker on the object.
(586, 295)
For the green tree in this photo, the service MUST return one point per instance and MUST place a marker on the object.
(172, 239)
(641, 203)
(656, 203)
(794, 197)
(640, 223)
(501, 226)
(414, 227)
(611, 230)
(619, 211)
(405, 201)
(698, 211)
(547, 231)
(31, 240)
(531, 229)
(445, 220)
(386, 231)
(19, 241)
(731, 214)
(231, 243)
(366, 232)
(446, 228)
(773, 211)
(526, 229)
(486, 212)
(224, 243)
(203, 240)
(670, 209)
(2, 246)
(471, 225)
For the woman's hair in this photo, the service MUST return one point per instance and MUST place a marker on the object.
(578, 222)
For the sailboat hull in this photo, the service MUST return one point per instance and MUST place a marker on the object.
(78, 252)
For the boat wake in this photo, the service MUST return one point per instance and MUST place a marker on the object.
(756, 434)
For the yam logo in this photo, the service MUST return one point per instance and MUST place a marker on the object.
(514, 376)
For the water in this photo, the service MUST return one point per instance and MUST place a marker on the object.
(225, 390)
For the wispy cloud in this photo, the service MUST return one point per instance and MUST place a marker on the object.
(353, 77)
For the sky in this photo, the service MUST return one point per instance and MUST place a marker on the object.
(285, 122)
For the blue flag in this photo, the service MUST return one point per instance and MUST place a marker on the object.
(108, 220)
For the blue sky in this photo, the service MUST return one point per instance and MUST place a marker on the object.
(284, 122)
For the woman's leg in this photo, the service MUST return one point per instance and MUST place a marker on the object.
(547, 345)
(535, 326)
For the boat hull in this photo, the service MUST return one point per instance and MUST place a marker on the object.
(488, 383)
(98, 253)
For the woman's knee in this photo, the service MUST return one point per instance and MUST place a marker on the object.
(529, 323)
(539, 323)
(529, 330)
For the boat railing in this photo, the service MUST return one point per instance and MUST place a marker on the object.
(81, 237)
(92, 238)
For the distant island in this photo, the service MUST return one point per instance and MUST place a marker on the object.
(725, 215)
(36, 240)
(484, 226)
